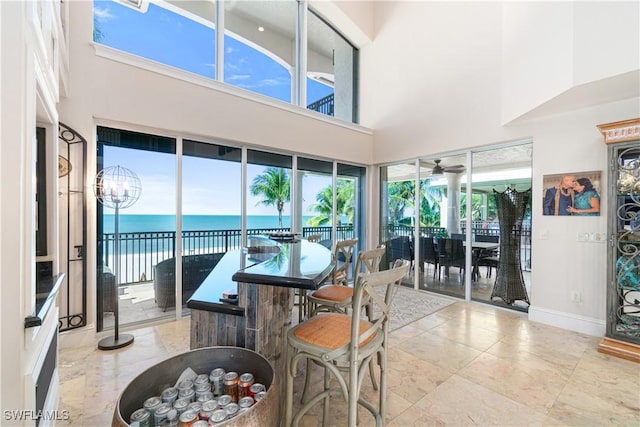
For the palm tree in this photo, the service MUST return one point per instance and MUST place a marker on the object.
(400, 196)
(275, 187)
(324, 205)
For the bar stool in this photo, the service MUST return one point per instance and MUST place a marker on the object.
(342, 255)
(339, 298)
(346, 343)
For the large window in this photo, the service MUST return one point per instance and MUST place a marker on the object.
(167, 250)
(332, 67)
(169, 35)
(260, 52)
(145, 279)
(268, 192)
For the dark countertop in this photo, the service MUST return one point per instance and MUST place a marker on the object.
(298, 264)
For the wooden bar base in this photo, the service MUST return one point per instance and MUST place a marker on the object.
(620, 349)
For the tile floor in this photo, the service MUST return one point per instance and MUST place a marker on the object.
(467, 364)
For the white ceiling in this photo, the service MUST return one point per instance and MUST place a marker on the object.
(509, 166)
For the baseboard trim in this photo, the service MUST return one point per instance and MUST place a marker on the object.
(572, 322)
(620, 349)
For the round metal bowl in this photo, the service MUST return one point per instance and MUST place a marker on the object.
(152, 381)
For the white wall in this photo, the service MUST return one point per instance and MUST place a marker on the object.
(551, 47)
(28, 72)
(434, 85)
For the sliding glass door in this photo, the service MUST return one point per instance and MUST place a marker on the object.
(456, 248)
(211, 209)
(146, 230)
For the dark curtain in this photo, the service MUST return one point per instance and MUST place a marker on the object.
(509, 285)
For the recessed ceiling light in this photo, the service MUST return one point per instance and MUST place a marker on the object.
(260, 29)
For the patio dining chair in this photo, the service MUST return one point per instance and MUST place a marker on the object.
(451, 254)
(428, 254)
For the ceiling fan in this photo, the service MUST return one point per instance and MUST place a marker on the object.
(438, 169)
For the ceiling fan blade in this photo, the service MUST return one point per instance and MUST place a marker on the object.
(454, 168)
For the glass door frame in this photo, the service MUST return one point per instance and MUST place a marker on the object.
(295, 201)
(468, 206)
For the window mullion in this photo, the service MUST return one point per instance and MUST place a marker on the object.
(300, 81)
(219, 45)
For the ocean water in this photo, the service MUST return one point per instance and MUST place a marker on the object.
(145, 223)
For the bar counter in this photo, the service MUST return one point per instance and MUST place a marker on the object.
(264, 276)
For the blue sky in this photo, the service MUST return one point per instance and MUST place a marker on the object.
(211, 187)
(169, 38)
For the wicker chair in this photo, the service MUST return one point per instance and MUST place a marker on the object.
(195, 268)
(346, 343)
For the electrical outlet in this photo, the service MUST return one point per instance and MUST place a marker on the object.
(582, 237)
(544, 235)
(576, 296)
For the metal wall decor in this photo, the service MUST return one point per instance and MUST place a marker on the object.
(73, 225)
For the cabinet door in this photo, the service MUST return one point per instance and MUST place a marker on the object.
(624, 291)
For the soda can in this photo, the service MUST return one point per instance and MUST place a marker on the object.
(187, 418)
(201, 379)
(142, 417)
(169, 395)
(205, 397)
(161, 412)
(187, 393)
(184, 384)
(202, 388)
(244, 383)
(200, 423)
(181, 405)
(210, 405)
(255, 389)
(232, 410)
(218, 416)
(224, 400)
(260, 395)
(152, 403)
(245, 402)
(217, 383)
(195, 406)
(231, 385)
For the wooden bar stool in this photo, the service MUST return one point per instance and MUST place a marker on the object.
(339, 298)
(341, 342)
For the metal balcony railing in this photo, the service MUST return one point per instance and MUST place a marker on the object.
(324, 105)
(141, 251)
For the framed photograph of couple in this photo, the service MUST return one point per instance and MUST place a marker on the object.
(571, 194)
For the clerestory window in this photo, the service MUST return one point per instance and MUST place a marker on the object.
(261, 48)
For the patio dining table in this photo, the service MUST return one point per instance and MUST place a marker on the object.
(477, 248)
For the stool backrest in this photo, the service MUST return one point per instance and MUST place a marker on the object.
(344, 249)
(378, 289)
(370, 260)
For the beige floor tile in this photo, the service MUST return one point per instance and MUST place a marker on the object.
(411, 377)
(440, 351)
(530, 380)
(475, 337)
(460, 402)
